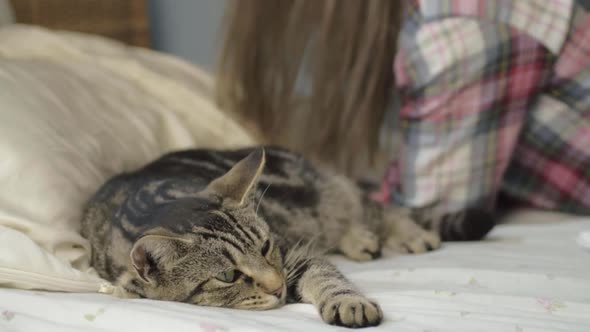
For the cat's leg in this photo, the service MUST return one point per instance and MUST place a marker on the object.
(405, 236)
(468, 225)
(360, 244)
(338, 301)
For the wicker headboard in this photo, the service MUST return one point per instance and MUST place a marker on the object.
(124, 20)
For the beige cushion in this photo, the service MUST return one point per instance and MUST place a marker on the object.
(76, 110)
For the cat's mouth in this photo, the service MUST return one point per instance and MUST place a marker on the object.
(265, 302)
(272, 303)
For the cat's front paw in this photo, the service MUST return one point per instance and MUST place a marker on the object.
(415, 242)
(351, 311)
(360, 244)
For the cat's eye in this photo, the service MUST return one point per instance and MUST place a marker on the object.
(229, 276)
(265, 248)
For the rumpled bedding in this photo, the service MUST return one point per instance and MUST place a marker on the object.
(523, 278)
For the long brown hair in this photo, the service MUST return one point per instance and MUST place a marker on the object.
(346, 49)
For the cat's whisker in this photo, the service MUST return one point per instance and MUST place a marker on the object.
(300, 254)
(261, 197)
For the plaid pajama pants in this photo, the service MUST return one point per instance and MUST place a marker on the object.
(495, 98)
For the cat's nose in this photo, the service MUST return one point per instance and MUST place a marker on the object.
(276, 291)
(269, 281)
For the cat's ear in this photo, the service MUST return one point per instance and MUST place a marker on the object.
(153, 252)
(239, 181)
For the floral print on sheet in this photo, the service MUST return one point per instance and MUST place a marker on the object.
(551, 306)
(7, 315)
(92, 316)
(208, 327)
(473, 283)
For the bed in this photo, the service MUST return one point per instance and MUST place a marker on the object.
(69, 102)
(523, 278)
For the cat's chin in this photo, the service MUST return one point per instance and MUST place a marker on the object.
(270, 303)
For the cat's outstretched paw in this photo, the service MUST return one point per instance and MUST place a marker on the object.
(361, 245)
(416, 242)
(351, 311)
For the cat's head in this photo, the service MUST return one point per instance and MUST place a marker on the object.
(227, 258)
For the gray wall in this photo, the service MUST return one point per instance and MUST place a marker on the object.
(6, 14)
(187, 28)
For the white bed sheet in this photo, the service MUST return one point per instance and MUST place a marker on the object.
(523, 278)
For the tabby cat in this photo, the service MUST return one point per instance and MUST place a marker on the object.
(243, 229)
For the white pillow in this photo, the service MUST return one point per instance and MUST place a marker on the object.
(75, 110)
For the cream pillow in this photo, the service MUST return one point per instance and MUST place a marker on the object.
(75, 110)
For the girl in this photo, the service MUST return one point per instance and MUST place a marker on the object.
(493, 95)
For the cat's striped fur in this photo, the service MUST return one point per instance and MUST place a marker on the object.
(243, 229)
